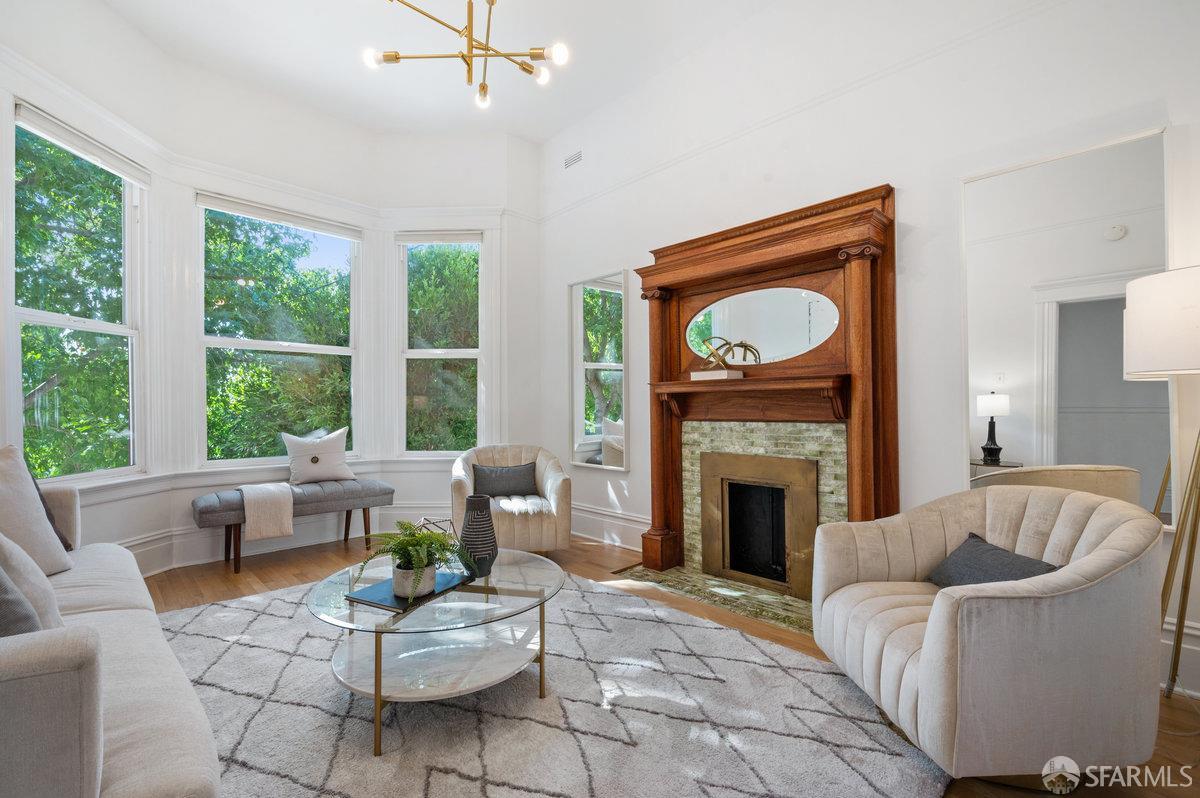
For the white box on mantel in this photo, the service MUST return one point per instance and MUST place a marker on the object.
(723, 374)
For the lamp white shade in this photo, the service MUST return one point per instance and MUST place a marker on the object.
(1162, 325)
(991, 404)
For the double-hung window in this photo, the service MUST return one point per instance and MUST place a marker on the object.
(76, 242)
(277, 330)
(599, 367)
(441, 351)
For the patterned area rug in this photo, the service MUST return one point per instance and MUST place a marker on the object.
(642, 700)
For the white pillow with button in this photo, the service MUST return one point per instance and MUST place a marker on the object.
(318, 459)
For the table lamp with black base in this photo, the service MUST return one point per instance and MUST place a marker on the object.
(990, 405)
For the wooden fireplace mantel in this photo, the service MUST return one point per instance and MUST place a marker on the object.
(761, 399)
(842, 249)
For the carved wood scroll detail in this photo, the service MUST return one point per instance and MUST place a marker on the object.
(657, 294)
(861, 251)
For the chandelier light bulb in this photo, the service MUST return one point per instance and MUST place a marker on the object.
(483, 99)
(542, 76)
(559, 54)
(372, 58)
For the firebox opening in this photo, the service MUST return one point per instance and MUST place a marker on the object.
(757, 530)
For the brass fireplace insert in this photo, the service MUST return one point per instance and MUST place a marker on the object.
(796, 479)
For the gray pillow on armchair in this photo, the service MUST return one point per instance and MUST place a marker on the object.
(518, 480)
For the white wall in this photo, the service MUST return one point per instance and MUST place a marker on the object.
(792, 108)
(920, 105)
(1029, 230)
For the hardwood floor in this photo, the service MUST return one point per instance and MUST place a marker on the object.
(202, 584)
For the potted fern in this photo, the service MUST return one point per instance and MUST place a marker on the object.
(416, 555)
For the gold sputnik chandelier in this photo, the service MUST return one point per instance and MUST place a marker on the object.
(473, 48)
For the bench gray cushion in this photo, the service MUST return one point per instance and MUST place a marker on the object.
(312, 498)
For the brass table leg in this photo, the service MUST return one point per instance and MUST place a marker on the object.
(542, 650)
(378, 694)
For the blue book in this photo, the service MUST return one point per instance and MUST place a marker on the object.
(380, 595)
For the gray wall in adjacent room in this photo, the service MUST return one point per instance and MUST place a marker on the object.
(1103, 418)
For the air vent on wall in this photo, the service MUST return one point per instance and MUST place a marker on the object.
(572, 159)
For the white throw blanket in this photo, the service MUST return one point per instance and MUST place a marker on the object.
(268, 510)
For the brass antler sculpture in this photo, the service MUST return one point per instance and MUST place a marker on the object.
(719, 353)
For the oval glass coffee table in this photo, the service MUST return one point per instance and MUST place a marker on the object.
(467, 639)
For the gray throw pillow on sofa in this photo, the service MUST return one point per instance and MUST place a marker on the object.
(516, 480)
(17, 615)
(976, 561)
(31, 582)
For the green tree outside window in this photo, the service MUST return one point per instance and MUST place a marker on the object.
(70, 260)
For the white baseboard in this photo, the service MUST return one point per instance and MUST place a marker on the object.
(609, 526)
(616, 543)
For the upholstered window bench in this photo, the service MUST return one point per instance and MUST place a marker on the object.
(225, 508)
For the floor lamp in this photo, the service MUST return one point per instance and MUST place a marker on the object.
(1162, 339)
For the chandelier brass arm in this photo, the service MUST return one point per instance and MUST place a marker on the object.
(393, 57)
(522, 59)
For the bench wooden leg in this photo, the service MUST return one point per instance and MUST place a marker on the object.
(346, 533)
(367, 526)
(237, 548)
(228, 540)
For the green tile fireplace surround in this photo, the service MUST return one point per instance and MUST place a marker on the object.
(823, 442)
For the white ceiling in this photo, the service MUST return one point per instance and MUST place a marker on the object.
(310, 50)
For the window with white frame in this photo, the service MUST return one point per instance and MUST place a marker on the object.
(599, 370)
(76, 242)
(442, 350)
(277, 332)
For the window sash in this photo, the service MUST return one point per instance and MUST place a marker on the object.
(136, 401)
(135, 178)
(266, 213)
(580, 366)
(281, 347)
(478, 354)
(216, 202)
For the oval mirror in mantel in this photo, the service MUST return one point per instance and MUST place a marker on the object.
(780, 322)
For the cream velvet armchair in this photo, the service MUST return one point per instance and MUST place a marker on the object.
(528, 523)
(995, 679)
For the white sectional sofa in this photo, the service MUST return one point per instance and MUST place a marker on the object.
(100, 706)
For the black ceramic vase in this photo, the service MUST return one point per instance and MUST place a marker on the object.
(478, 535)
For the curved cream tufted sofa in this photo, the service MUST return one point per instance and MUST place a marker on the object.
(995, 679)
(528, 523)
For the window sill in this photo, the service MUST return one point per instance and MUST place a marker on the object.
(109, 487)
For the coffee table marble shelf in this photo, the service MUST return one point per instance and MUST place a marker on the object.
(467, 639)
